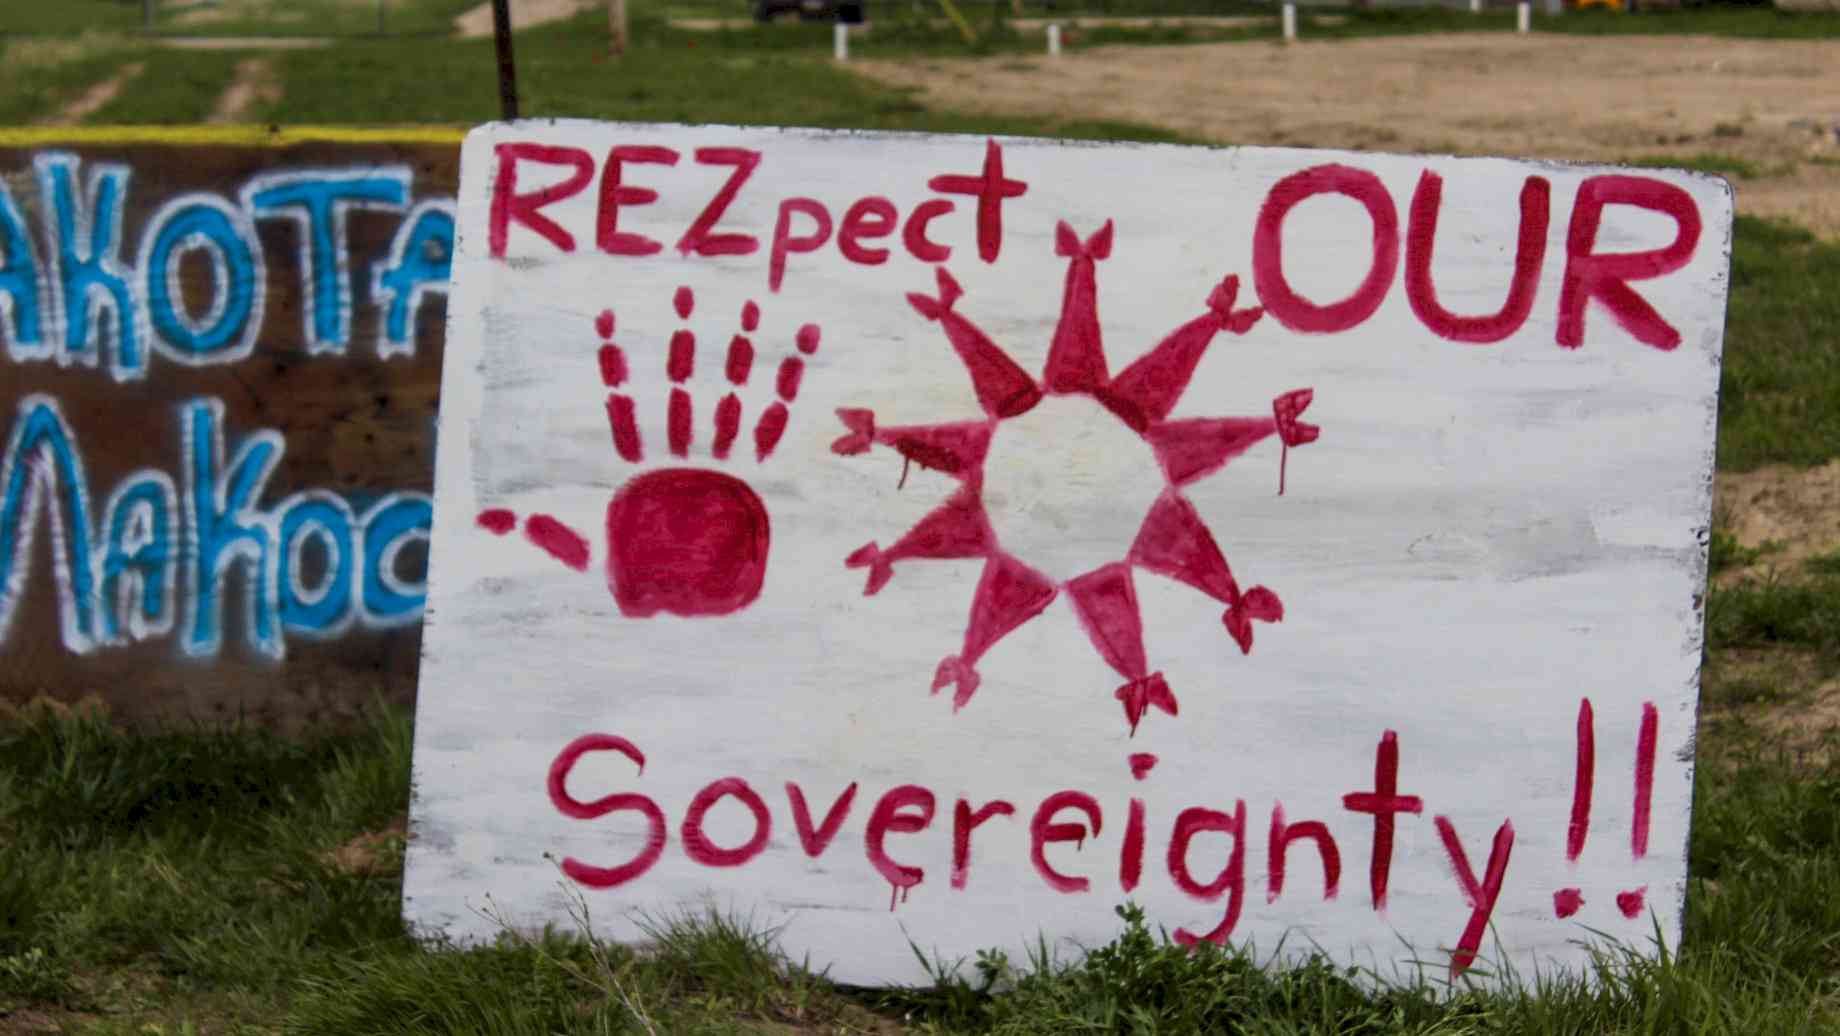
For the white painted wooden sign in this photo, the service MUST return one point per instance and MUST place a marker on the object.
(938, 539)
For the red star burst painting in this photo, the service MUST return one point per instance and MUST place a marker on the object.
(1172, 541)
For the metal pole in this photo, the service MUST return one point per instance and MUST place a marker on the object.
(1523, 16)
(1290, 23)
(1054, 39)
(840, 41)
(507, 68)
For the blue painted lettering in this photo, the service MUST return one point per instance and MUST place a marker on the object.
(89, 280)
(420, 258)
(320, 201)
(227, 331)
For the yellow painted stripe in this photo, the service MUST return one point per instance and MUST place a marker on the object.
(229, 135)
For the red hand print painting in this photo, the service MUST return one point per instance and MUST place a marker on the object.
(1173, 540)
(687, 541)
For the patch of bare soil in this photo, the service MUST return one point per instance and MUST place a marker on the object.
(1792, 513)
(1770, 103)
(254, 85)
(373, 852)
(1784, 693)
(91, 101)
(478, 20)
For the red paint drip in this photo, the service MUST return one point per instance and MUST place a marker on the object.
(684, 301)
(1580, 826)
(1567, 902)
(603, 324)
(1141, 764)
(558, 540)
(497, 520)
(1631, 902)
(1645, 780)
(750, 315)
(807, 339)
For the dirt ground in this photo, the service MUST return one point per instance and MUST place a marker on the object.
(1774, 104)
(1795, 512)
(478, 21)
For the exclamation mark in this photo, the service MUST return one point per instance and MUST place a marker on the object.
(1630, 903)
(1567, 901)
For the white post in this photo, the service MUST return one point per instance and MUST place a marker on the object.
(840, 40)
(1523, 17)
(1475, 6)
(1290, 23)
(1054, 39)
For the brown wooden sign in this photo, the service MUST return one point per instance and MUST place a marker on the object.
(219, 376)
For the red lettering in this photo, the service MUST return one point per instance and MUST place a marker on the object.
(1282, 835)
(508, 206)
(1480, 897)
(1606, 277)
(697, 844)
(1529, 253)
(1384, 803)
(785, 244)
(698, 240)
(1041, 832)
(991, 190)
(568, 805)
(1232, 877)
(887, 819)
(816, 841)
(1293, 310)
(869, 218)
(607, 233)
(964, 821)
(913, 235)
(1131, 856)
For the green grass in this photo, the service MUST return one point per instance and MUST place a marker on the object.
(182, 878)
(1716, 164)
(1781, 373)
(1793, 610)
(312, 17)
(231, 17)
(68, 16)
(176, 87)
(44, 75)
